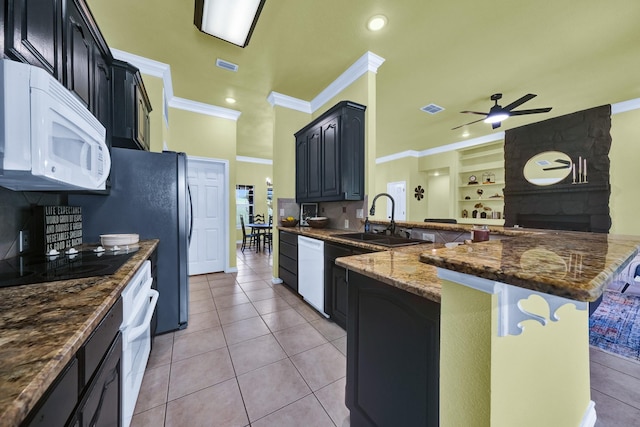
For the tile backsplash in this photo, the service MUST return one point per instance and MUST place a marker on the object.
(16, 214)
(337, 212)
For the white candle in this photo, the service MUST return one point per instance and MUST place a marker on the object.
(574, 172)
(580, 168)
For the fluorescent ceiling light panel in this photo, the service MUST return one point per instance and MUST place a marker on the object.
(230, 20)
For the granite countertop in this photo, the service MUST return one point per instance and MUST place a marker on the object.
(399, 266)
(573, 265)
(43, 325)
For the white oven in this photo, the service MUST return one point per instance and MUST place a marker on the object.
(138, 302)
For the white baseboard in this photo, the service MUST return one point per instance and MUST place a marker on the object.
(589, 418)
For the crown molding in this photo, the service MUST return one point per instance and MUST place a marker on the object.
(254, 160)
(397, 156)
(148, 66)
(162, 70)
(202, 108)
(624, 106)
(367, 62)
(281, 100)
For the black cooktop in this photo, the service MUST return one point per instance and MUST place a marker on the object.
(36, 268)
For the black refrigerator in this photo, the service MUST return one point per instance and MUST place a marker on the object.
(149, 196)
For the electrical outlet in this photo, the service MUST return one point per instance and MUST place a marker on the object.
(24, 240)
(281, 212)
(428, 236)
(346, 223)
(359, 213)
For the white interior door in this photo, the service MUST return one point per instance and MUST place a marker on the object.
(208, 194)
(397, 190)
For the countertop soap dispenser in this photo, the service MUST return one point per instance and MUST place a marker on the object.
(367, 225)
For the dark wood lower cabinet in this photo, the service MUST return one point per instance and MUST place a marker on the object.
(60, 400)
(87, 392)
(288, 260)
(335, 281)
(102, 408)
(393, 354)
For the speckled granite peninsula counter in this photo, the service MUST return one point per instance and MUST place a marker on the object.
(572, 265)
(510, 334)
(43, 325)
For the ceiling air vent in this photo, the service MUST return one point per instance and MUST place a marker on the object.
(226, 65)
(432, 108)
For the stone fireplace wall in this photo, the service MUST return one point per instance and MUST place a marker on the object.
(564, 205)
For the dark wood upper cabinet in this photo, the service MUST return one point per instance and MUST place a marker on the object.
(34, 33)
(131, 117)
(61, 36)
(79, 54)
(330, 156)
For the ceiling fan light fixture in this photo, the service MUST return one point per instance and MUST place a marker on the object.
(377, 22)
(229, 20)
(496, 118)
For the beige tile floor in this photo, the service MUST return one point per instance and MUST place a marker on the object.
(255, 354)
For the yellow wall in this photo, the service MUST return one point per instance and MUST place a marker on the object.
(546, 369)
(537, 378)
(202, 135)
(465, 356)
(255, 174)
(624, 175)
(414, 171)
(288, 122)
(624, 202)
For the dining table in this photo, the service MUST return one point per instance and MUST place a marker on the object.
(259, 229)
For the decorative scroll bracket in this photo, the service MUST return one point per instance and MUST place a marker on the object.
(511, 314)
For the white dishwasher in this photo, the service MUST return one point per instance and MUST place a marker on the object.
(311, 272)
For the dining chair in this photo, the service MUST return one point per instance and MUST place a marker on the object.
(252, 237)
(268, 235)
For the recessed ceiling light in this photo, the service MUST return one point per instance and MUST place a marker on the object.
(465, 133)
(377, 22)
(230, 100)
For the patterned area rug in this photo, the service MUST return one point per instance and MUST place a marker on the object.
(615, 325)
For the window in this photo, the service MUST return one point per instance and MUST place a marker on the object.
(244, 203)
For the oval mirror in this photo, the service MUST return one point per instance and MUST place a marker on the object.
(547, 168)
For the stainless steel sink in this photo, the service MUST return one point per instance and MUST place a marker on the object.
(382, 240)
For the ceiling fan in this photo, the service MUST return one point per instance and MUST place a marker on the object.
(498, 113)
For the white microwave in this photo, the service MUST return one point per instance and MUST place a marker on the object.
(49, 141)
